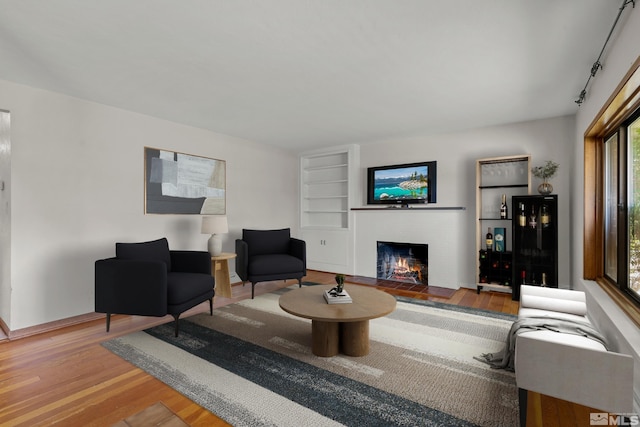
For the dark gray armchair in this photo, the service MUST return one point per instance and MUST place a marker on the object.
(265, 255)
(147, 279)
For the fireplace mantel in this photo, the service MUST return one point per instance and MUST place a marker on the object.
(421, 208)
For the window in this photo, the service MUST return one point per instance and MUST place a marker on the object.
(612, 196)
(632, 130)
(622, 244)
(611, 161)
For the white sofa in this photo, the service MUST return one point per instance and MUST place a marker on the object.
(569, 367)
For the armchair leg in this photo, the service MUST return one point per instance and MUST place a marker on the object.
(211, 306)
(176, 316)
(108, 321)
(300, 282)
(253, 286)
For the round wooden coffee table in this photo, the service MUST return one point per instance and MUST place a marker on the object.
(338, 327)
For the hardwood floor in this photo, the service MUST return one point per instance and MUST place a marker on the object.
(66, 377)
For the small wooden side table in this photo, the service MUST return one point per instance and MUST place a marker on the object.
(220, 270)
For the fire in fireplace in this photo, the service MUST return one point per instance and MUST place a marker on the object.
(403, 262)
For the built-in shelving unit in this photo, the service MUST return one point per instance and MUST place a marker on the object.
(326, 181)
(495, 176)
(325, 190)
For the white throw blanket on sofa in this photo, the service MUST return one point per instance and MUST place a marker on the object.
(504, 359)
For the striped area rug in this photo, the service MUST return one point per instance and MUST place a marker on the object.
(251, 364)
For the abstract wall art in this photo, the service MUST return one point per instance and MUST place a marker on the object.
(178, 183)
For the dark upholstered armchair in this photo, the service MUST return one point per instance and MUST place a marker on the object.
(265, 255)
(147, 279)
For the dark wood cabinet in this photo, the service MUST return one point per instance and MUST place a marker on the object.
(534, 246)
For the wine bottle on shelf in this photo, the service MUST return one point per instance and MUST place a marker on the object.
(504, 210)
(522, 217)
(544, 216)
(523, 277)
(489, 239)
(544, 280)
(533, 217)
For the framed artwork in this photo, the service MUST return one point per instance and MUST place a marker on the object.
(178, 183)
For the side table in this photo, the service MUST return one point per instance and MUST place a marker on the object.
(220, 270)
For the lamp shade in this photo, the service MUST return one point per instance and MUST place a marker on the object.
(214, 224)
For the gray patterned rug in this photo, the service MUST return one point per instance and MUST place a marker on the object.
(251, 365)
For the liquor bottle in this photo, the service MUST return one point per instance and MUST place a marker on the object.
(544, 280)
(522, 217)
(504, 210)
(533, 218)
(489, 239)
(544, 216)
(523, 277)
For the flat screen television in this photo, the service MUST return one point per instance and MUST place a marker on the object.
(402, 184)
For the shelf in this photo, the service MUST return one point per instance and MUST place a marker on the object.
(509, 176)
(495, 287)
(334, 181)
(317, 168)
(485, 187)
(327, 211)
(326, 181)
(325, 197)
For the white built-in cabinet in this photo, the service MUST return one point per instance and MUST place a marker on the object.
(327, 178)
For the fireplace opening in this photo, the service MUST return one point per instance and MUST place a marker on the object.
(403, 262)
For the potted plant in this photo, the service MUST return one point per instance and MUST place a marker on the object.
(544, 172)
(340, 281)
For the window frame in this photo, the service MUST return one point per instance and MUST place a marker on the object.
(620, 106)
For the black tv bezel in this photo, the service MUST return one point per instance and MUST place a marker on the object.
(431, 177)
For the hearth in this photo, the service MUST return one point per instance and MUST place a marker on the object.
(403, 262)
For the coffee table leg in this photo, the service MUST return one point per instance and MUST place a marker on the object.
(354, 338)
(324, 338)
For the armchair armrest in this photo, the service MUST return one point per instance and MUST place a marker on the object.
(191, 262)
(242, 259)
(298, 249)
(598, 379)
(131, 287)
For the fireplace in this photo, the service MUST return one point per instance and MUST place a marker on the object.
(403, 262)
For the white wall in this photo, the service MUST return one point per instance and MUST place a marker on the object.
(618, 328)
(77, 187)
(456, 154)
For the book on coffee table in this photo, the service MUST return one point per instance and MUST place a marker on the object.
(341, 298)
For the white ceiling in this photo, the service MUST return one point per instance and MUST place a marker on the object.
(301, 74)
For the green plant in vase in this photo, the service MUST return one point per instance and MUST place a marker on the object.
(544, 172)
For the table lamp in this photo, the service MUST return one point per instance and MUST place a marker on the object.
(214, 225)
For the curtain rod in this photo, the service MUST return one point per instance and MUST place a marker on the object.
(598, 65)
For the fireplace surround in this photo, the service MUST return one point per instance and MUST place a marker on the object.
(403, 262)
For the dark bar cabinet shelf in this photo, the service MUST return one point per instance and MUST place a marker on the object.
(534, 242)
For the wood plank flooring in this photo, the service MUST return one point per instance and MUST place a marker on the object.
(66, 377)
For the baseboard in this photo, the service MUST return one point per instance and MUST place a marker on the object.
(50, 326)
(4, 328)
